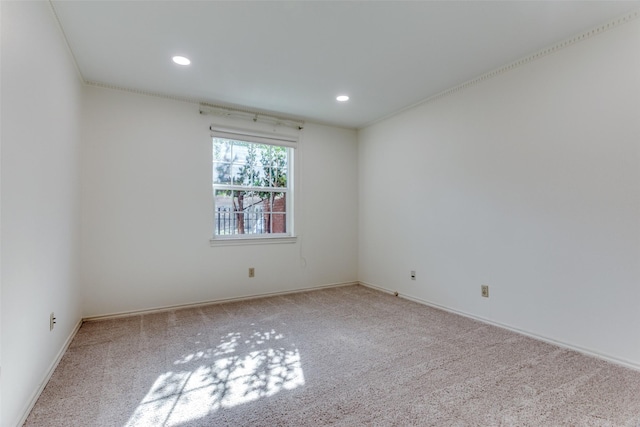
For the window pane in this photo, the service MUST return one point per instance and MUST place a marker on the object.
(279, 202)
(221, 173)
(279, 177)
(267, 177)
(278, 223)
(253, 214)
(239, 174)
(221, 150)
(278, 213)
(240, 151)
(224, 218)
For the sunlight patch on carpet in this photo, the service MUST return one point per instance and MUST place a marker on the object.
(233, 373)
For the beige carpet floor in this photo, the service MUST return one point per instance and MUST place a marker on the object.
(347, 356)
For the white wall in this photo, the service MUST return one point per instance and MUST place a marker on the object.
(147, 210)
(40, 200)
(528, 182)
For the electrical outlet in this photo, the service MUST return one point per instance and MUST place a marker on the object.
(52, 321)
(413, 275)
(252, 272)
(485, 291)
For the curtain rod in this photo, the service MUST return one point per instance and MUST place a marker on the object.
(218, 110)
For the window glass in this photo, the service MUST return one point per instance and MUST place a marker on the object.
(251, 189)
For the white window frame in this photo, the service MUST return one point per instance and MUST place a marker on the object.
(290, 142)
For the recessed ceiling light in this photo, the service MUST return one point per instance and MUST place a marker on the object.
(181, 60)
(342, 98)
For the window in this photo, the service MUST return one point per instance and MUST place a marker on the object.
(252, 187)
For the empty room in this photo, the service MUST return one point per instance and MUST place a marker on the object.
(262, 213)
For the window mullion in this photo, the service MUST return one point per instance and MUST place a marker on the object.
(247, 188)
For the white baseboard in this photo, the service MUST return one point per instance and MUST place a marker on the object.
(36, 394)
(210, 302)
(586, 351)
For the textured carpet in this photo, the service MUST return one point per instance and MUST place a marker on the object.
(344, 356)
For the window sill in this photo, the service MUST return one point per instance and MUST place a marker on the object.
(252, 241)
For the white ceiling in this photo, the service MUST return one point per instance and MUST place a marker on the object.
(295, 57)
